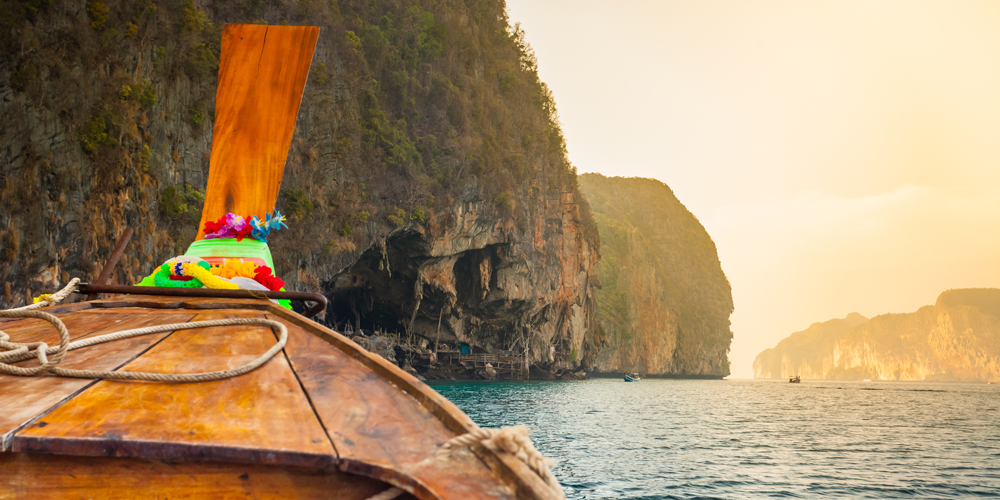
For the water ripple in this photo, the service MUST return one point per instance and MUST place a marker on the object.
(688, 439)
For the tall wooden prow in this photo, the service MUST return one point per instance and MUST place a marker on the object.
(262, 74)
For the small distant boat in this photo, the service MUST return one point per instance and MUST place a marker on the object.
(632, 377)
(795, 380)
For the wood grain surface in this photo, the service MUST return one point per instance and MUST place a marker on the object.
(506, 468)
(78, 323)
(58, 309)
(384, 422)
(260, 417)
(262, 74)
(384, 432)
(24, 398)
(24, 475)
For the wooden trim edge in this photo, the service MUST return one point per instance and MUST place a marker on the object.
(66, 308)
(394, 477)
(117, 446)
(180, 303)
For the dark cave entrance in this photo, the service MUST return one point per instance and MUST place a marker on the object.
(375, 292)
(379, 292)
(364, 313)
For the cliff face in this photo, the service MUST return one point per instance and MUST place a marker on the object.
(786, 359)
(427, 180)
(664, 302)
(957, 339)
(468, 275)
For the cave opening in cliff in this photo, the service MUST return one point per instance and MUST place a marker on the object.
(358, 310)
(397, 286)
(381, 292)
(373, 293)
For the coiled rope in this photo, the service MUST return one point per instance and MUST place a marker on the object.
(50, 357)
(513, 440)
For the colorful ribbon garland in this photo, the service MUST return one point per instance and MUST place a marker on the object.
(236, 226)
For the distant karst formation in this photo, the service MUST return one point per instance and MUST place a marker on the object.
(664, 302)
(956, 339)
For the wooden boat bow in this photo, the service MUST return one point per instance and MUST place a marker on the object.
(322, 418)
(325, 409)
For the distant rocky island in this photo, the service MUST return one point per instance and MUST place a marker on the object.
(957, 340)
(663, 301)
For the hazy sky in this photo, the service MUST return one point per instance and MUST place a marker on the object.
(844, 156)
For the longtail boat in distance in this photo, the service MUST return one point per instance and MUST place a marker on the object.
(197, 384)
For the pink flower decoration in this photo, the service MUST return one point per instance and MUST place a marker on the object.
(235, 222)
(235, 226)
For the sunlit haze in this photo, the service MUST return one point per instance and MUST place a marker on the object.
(844, 156)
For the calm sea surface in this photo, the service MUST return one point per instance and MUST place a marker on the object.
(753, 439)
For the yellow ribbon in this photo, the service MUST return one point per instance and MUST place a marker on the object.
(207, 278)
(235, 267)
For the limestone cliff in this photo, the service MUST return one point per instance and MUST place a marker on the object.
(664, 302)
(786, 359)
(427, 181)
(956, 339)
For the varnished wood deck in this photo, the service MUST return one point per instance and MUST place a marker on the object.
(324, 409)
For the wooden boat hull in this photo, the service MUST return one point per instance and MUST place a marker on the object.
(43, 476)
(323, 417)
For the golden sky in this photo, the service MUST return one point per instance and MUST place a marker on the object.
(844, 155)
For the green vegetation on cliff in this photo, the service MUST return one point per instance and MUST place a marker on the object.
(957, 339)
(106, 116)
(664, 302)
(427, 185)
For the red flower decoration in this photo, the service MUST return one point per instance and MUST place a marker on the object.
(214, 226)
(244, 233)
(263, 276)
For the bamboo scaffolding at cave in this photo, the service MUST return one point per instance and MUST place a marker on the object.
(514, 366)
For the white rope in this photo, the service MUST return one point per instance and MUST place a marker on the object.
(51, 300)
(388, 494)
(13, 352)
(512, 440)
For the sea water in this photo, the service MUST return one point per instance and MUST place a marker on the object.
(753, 439)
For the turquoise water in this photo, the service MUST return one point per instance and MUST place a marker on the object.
(753, 439)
